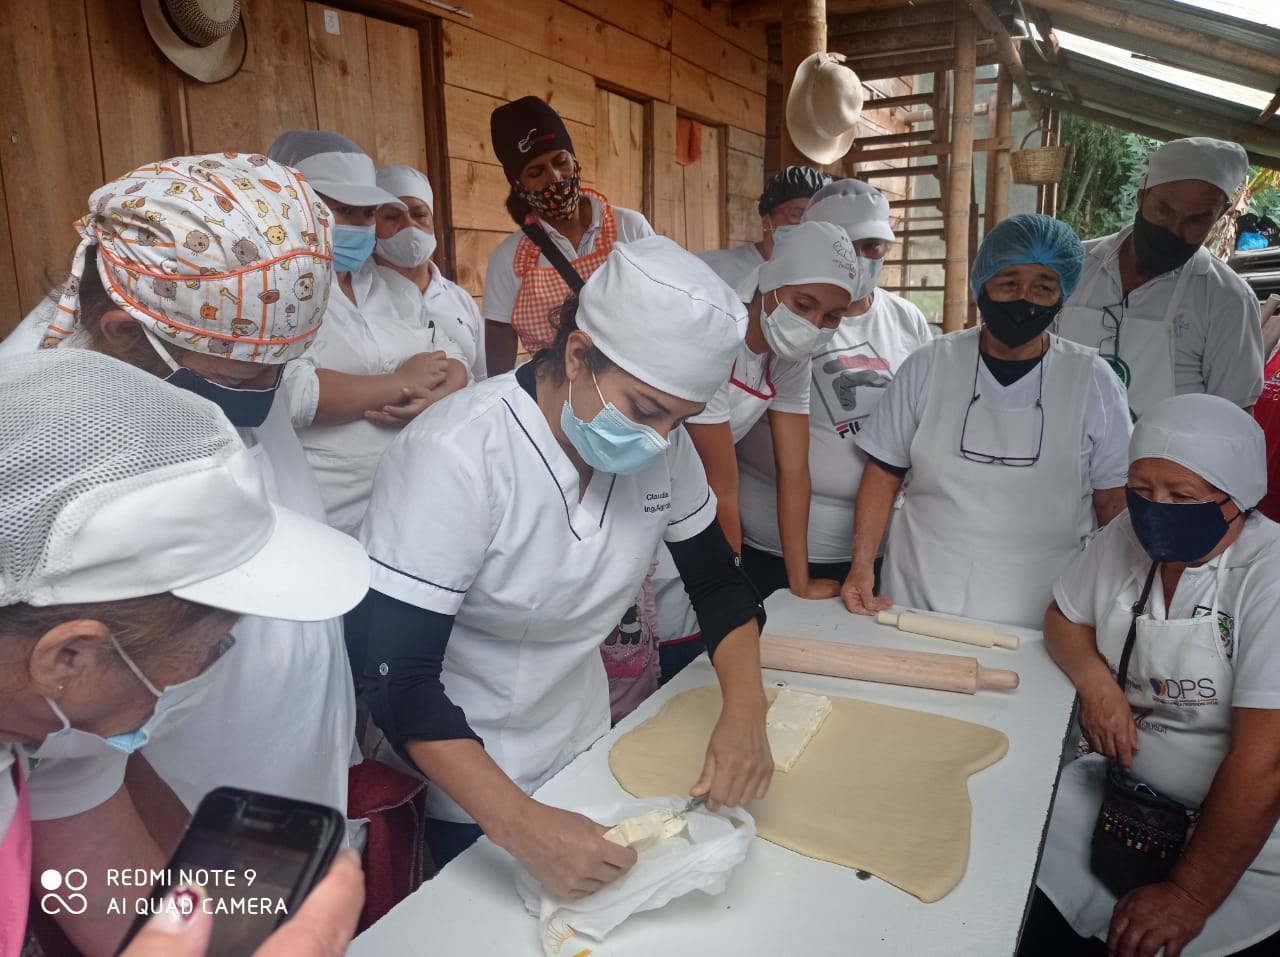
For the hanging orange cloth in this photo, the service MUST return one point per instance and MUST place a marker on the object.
(541, 288)
(688, 141)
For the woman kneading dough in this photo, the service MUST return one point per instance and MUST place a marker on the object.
(510, 527)
(1015, 440)
(1181, 596)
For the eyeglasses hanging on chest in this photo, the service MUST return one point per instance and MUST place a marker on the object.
(992, 435)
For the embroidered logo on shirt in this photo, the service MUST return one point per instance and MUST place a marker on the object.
(1226, 628)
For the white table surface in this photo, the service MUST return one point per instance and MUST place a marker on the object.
(779, 902)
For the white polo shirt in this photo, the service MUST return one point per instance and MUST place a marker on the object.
(450, 308)
(847, 382)
(278, 714)
(757, 383)
(502, 285)
(372, 336)
(1216, 326)
(733, 265)
(476, 514)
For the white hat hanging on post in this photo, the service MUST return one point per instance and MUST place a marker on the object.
(205, 39)
(823, 107)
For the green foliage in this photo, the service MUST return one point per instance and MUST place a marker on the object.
(1265, 202)
(1098, 194)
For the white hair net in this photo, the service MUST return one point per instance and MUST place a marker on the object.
(1212, 437)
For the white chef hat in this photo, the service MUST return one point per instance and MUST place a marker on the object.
(859, 207)
(661, 314)
(1217, 162)
(406, 181)
(1212, 437)
(333, 164)
(812, 252)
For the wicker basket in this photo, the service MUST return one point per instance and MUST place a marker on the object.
(1038, 166)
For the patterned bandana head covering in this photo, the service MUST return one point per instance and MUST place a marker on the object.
(226, 254)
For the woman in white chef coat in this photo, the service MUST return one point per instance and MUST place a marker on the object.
(794, 303)
(1198, 721)
(406, 243)
(847, 380)
(135, 529)
(375, 363)
(1014, 439)
(509, 529)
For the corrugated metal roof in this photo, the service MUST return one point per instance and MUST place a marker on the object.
(1235, 51)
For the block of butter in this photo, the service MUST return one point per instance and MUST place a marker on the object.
(645, 830)
(793, 719)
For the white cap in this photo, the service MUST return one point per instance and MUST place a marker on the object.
(813, 252)
(661, 314)
(406, 181)
(1216, 162)
(1212, 437)
(823, 107)
(858, 207)
(117, 485)
(334, 165)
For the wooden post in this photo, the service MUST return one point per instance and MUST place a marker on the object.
(960, 174)
(1051, 191)
(804, 31)
(942, 124)
(998, 161)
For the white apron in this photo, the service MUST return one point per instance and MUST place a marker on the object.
(988, 541)
(1143, 358)
(1180, 682)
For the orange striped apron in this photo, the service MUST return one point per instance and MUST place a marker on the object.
(541, 288)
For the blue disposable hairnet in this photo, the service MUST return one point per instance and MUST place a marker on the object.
(1029, 238)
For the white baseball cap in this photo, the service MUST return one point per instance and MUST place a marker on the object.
(334, 165)
(661, 314)
(858, 207)
(118, 485)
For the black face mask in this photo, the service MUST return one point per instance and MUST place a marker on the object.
(1017, 322)
(1159, 251)
(244, 408)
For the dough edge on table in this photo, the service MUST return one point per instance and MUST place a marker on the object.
(908, 823)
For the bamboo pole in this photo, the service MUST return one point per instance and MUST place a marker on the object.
(960, 174)
(929, 149)
(998, 162)
(804, 32)
(1009, 55)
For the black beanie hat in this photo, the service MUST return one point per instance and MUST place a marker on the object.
(523, 129)
(794, 182)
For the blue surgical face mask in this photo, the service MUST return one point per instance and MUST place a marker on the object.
(1171, 532)
(352, 245)
(69, 742)
(611, 442)
(872, 267)
(244, 408)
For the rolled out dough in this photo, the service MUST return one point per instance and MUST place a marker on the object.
(879, 789)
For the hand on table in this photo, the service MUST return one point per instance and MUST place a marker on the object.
(858, 592)
(567, 852)
(739, 765)
(322, 927)
(816, 589)
(1155, 916)
(1107, 721)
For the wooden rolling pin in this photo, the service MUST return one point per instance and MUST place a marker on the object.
(915, 669)
(931, 626)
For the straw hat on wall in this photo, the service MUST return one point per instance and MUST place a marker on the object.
(203, 38)
(823, 107)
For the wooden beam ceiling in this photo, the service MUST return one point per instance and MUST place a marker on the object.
(1009, 56)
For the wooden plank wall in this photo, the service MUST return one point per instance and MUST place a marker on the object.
(89, 97)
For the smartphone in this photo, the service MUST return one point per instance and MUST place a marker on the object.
(257, 856)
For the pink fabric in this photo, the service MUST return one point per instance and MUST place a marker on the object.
(15, 873)
(631, 653)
